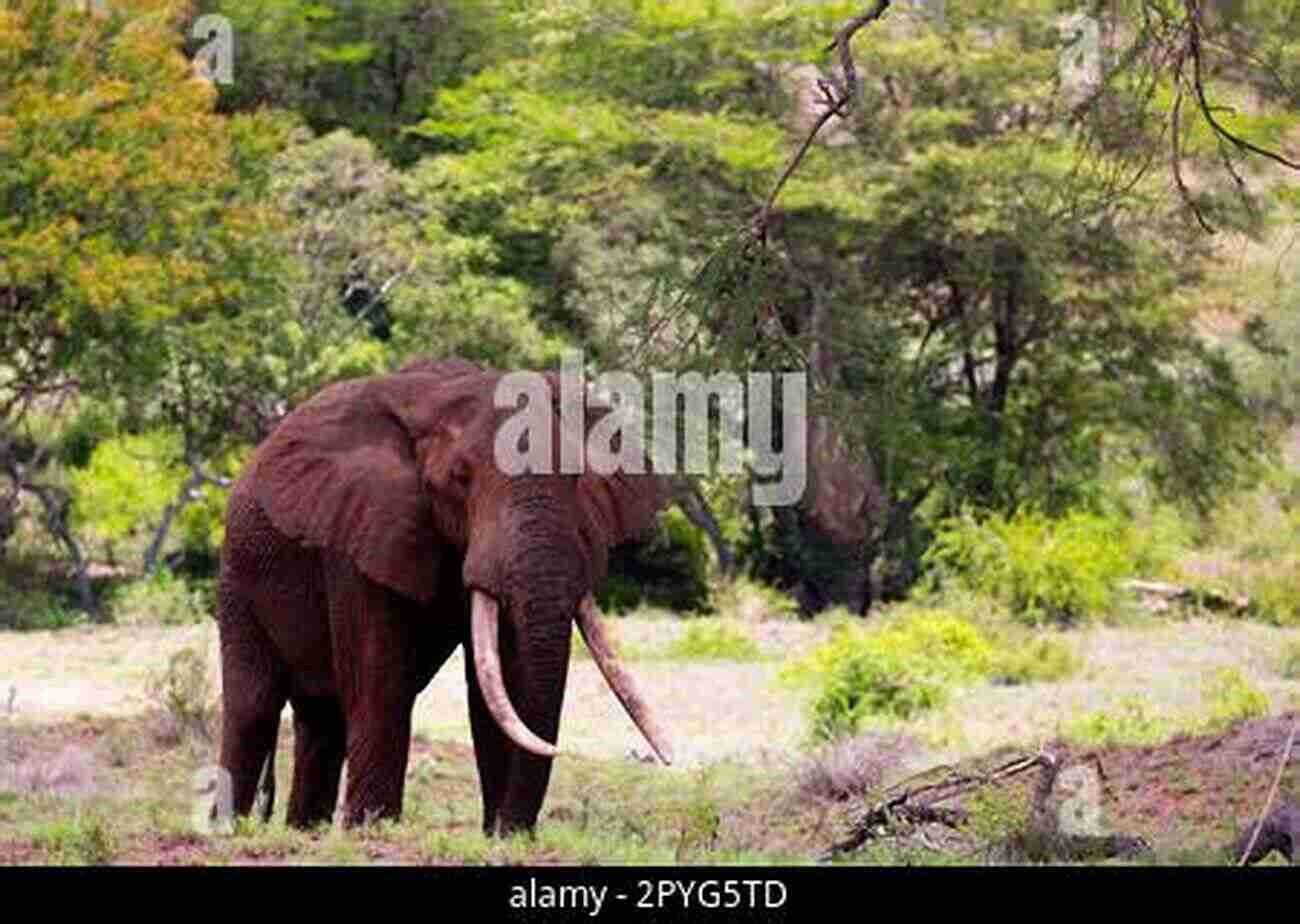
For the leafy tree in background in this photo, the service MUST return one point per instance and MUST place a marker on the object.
(132, 231)
(988, 287)
(368, 66)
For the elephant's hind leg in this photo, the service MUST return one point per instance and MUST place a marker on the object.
(254, 691)
(320, 740)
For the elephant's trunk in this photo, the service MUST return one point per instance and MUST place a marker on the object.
(487, 666)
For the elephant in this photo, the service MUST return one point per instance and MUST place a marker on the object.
(368, 536)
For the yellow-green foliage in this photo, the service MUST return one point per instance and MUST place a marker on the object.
(1232, 698)
(1044, 569)
(1042, 659)
(86, 840)
(126, 484)
(1252, 549)
(1133, 723)
(713, 640)
(895, 671)
(1227, 696)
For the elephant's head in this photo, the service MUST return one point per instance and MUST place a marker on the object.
(399, 473)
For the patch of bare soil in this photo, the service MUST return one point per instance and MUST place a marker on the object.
(63, 759)
(1203, 789)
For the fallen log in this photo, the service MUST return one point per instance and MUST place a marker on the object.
(1158, 596)
(1042, 840)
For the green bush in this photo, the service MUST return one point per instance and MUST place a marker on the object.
(892, 672)
(670, 570)
(161, 599)
(1044, 569)
(1132, 723)
(1232, 698)
(712, 640)
(1039, 660)
(87, 840)
(34, 610)
(126, 483)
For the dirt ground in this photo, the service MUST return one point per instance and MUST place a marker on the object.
(1204, 788)
(67, 696)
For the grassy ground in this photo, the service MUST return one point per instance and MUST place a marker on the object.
(92, 772)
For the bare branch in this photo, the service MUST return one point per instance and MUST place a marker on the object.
(833, 108)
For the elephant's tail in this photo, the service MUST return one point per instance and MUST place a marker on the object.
(266, 788)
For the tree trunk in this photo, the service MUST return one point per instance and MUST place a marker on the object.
(57, 507)
(183, 497)
(697, 511)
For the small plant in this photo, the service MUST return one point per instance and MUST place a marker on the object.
(997, 814)
(713, 641)
(86, 840)
(694, 820)
(1131, 724)
(1232, 698)
(1041, 660)
(183, 692)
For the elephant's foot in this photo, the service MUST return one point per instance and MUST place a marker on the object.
(376, 770)
(320, 741)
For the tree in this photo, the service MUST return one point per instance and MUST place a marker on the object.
(132, 228)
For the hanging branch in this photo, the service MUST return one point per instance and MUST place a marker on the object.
(834, 105)
(1193, 8)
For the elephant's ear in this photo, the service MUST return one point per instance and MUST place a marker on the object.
(622, 506)
(340, 472)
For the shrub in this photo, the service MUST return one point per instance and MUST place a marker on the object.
(853, 768)
(183, 692)
(33, 610)
(87, 840)
(161, 599)
(1045, 570)
(1041, 660)
(1131, 724)
(713, 640)
(670, 570)
(1232, 698)
(126, 483)
(893, 672)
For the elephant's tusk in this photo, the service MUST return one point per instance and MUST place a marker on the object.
(619, 680)
(487, 667)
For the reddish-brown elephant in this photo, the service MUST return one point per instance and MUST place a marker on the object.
(369, 536)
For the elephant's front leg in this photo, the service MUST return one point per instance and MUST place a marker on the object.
(513, 781)
(379, 740)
